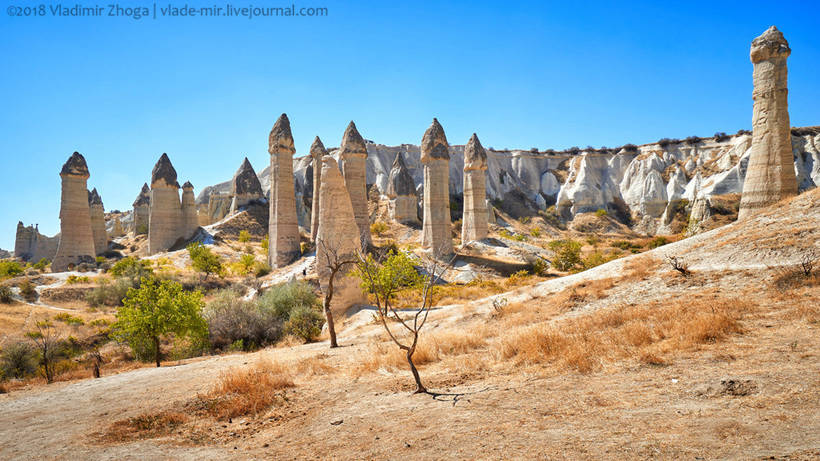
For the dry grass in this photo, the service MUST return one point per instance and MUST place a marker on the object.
(432, 348)
(642, 332)
(640, 268)
(245, 391)
(144, 426)
(458, 294)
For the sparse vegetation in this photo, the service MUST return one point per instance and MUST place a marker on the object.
(244, 236)
(600, 212)
(46, 339)
(567, 254)
(295, 304)
(204, 260)
(658, 242)
(6, 295)
(678, 263)
(10, 268)
(17, 360)
(27, 291)
(246, 392)
(234, 321)
(379, 228)
(144, 426)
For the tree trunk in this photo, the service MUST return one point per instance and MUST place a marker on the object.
(420, 389)
(331, 328)
(157, 353)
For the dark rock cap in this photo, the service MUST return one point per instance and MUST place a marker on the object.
(769, 45)
(434, 144)
(94, 198)
(280, 140)
(352, 142)
(317, 149)
(75, 166)
(144, 197)
(188, 185)
(475, 157)
(245, 181)
(164, 171)
(400, 182)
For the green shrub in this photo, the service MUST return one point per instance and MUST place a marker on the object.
(305, 322)
(540, 267)
(525, 220)
(132, 268)
(204, 260)
(232, 320)
(567, 254)
(27, 291)
(261, 269)
(108, 293)
(284, 298)
(624, 245)
(536, 232)
(100, 260)
(378, 228)
(6, 295)
(265, 243)
(72, 279)
(18, 360)
(68, 319)
(10, 268)
(597, 258)
(244, 236)
(42, 264)
(658, 242)
(600, 213)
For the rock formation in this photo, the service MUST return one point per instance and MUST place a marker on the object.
(317, 151)
(189, 219)
(770, 175)
(283, 230)
(142, 207)
(401, 189)
(353, 155)
(98, 222)
(435, 156)
(245, 187)
(474, 222)
(337, 236)
(76, 237)
(31, 245)
(165, 215)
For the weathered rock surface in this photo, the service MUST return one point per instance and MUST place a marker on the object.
(353, 155)
(436, 223)
(190, 224)
(31, 245)
(141, 211)
(474, 223)
(283, 247)
(771, 175)
(98, 222)
(317, 152)
(245, 187)
(76, 237)
(165, 225)
(401, 190)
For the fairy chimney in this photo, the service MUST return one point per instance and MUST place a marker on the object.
(165, 213)
(190, 221)
(283, 228)
(401, 190)
(98, 222)
(245, 187)
(353, 155)
(770, 175)
(435, 157)
(142, 207)
(474, 222)
(317, 151)
(76, 237)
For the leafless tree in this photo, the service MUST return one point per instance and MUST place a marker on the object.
(334, 263)
(46, 339)
(384, 279)
(678, 264)
(807, 262)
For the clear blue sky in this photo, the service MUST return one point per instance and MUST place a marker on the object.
(520, 74)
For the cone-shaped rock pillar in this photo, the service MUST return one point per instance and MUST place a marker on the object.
(165, 216)
(76, 237)
(435, 156)
(337, 236)
(98, 222)
(353, 155)
(245, 187)
(770, 175)
(142, 206)
(283, 230)
(474, 222)
(317, 152)
(401, 189)
(190, 223)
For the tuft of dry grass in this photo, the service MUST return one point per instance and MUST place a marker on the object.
(144, 426)
(432, 347)
(246, 391)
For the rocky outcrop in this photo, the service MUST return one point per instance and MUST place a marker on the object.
(353, 155)
(190, 224)
(76, 237)
(31, 245)
(317, 152)
(142, 206)
(283, 246)
(98, 222)
(245, 187)
(474, 223)
(435, 156)
(165, 215)
(401, 190)
(770, 176)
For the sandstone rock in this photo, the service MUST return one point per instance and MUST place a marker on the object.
(245, 187)
(31, 245)
(474, 223)
(770, 175)
(190, 223)
(98, 222)
(353, 155)
(165, 225)
(435, 156)
(142, 207)
(76, 237)
(401, 190)
(317, 152)
(283, 246)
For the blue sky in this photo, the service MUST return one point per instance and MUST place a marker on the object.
(520, 74)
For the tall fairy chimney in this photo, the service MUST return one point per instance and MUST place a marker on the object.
(283, 227)
(76, 237)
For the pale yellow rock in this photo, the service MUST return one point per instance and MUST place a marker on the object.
(190, 221)
(76, 237)
(245, 187)
(436, 225)
(165, 215)
(770, 175)
(401, 190)
(98, 222)
(353, 155)
(317, 151)
(283, 246)
(142, 210)
(474, 223)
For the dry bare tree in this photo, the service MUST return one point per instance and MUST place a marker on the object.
(46, 339)
(807, 262)
(384, 275)
(678, 264)
(333, 263)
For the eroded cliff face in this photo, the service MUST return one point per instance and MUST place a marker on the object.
(643, 182)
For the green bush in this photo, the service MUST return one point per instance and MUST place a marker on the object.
(535, 232)
(244, 236)
(18, 360)
(265, 243)
(285, 298)
(72, 279)
(540, 267)
(6, 295)
(10, 268)
(600, 213)
(232, 320)
(204, 260)
(305, 322)
(597, 258)
(27, 291)
(247, 262)
(658, 242)
(68, 319)
(131, 268)
(567, 254)
(624, 245)
(261, 269)
(108, 293)
(42, 264)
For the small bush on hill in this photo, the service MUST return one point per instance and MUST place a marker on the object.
(6, 295)
(18, 360)
(10, 268)
(378, 228)
(27, 291)
(244, 236)
(42, 264)
(233, 320)
(72, 279)
(658, 242)
(600, 212)
(305, 322)
(567, 254)
(109, 293)
(131, 268)
(204, 260)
